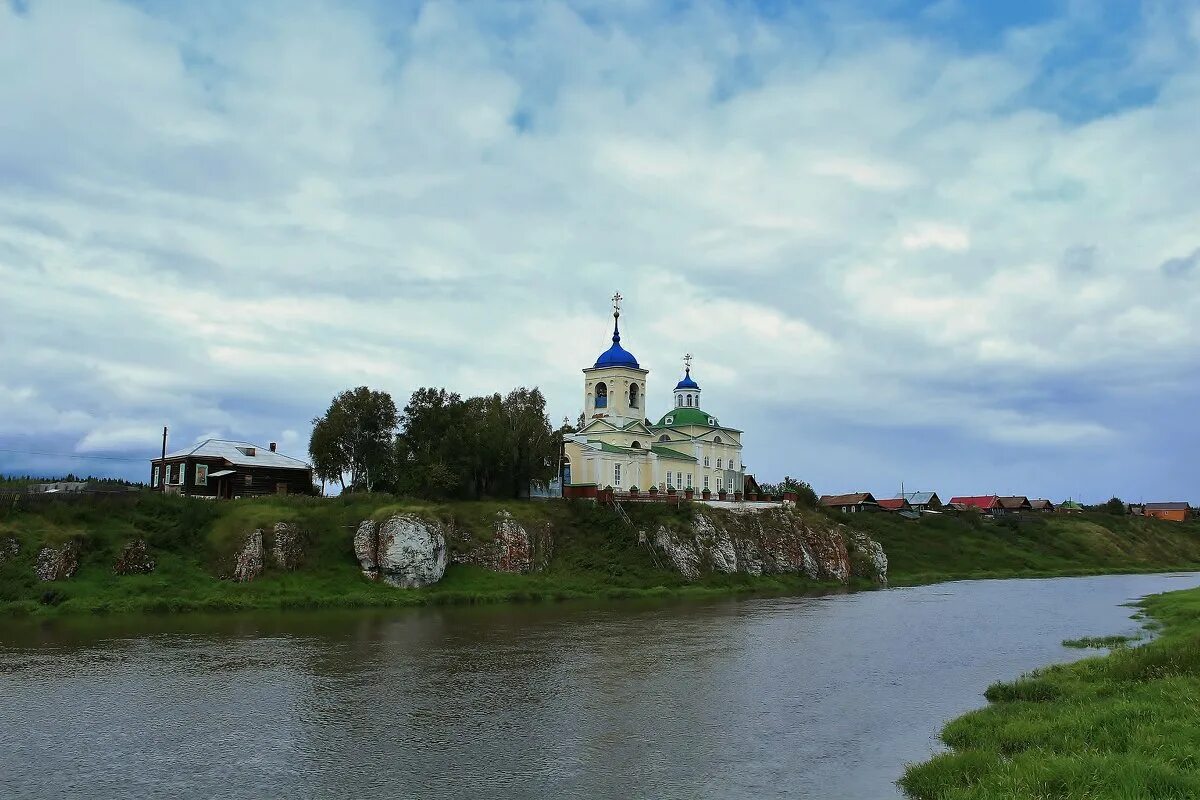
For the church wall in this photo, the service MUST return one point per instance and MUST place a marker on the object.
(618, 380)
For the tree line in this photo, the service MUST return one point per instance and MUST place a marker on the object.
(439, 446)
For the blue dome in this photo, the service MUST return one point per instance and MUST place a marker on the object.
(687, 382)
(617, 356)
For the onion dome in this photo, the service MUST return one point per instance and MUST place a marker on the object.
(687, 382)
(617, 356)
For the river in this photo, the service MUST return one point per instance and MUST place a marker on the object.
(810, 697)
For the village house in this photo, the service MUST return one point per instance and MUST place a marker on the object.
(895, 504)
(1172, 512)
(850, 503)
(1069, 507)
(987, 504)
(922, 501)
(1014, 505)
(1041, 505)
(225, 469)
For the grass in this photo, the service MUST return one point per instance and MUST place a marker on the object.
(955, 547)
(1099, 642)
(193, 541)
(1124, 726)
(594, 555)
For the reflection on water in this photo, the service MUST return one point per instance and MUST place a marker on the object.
(799, 697)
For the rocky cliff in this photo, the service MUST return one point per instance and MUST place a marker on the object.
(410, 551)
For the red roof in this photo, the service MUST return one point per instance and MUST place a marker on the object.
(893, 504)
(985, 502)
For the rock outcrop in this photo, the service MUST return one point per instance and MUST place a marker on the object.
(287, 545)
(248, 562)
(134, 559)
(404, 550)
(512, 547)
(9, 549)
(58, 563)
(776, 541)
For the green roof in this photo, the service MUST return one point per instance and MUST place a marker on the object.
(665, 452)
(612, 448)
(690, 416)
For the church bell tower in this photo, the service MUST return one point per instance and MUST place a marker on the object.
(615, 386)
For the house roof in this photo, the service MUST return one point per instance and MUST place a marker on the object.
(1071, 504)
(894, 503)
(1167, 506)
(984, 501)
(1014, 503)
(847, 499)
(918, 498)
(1041, 504)
(235, 453)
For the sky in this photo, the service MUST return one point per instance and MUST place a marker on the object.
(947, 244)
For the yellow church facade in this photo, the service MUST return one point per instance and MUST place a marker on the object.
(619, 445)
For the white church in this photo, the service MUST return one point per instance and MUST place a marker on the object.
(618, 446)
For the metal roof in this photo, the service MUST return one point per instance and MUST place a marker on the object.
(1167, 506)
(918, 498)
(235, 453)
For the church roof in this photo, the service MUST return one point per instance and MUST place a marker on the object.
(688, 382)
(616, 356)
(678, 417)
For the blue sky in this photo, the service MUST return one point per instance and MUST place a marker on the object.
(951, 244)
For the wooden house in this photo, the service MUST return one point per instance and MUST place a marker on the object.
(224, 469)
(922, 501)
(1014, 505)
(1172, 512)
(850, 503)
(987, 504)
(895, 504)
(1041, 505)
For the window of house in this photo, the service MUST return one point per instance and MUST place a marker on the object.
(601, 395)
(633, 396)
(154, 478)
(249, 480)
(202, 474)
(175, 475)
(706, 461)
(616, 474)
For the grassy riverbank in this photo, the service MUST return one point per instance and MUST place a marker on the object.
(955, 547)
(192, 540)
(594, 556)
(1123, 726)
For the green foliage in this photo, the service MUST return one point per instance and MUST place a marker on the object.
(806, 495)
(354, 438)
(1098, 642)
(1115, 506)
(1123, 726)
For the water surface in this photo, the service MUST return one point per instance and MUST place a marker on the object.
(822, 697)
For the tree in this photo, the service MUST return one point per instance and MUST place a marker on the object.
(1115, 506)
(805, 495)
(355, 439)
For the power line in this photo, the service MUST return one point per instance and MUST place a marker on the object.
(74, 455)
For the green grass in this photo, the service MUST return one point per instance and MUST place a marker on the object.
(594, 556)
(1099, 642)
(1124, 726)
(952, 547)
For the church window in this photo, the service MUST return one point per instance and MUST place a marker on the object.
(717, 440)
(712, 421)
(670, 420)
(633, 396)
(678, 400)
(616, 474)
(689, 483)
(601, 395)
(636, 445)
(718, 463)
(669, 484)
(664, 438)
(706, 461)
(706, 483)
(689, 401)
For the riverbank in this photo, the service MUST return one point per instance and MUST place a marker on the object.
(595, 554)
(1121, 726)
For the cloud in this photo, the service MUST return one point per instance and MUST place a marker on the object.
(216, 217)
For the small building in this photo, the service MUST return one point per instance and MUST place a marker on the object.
(1069, 507)
(1041, 505)
(985, 503)
(59, 487)
(922, 501)
(895, 504)
(1014, 505)
(850, 503)
(1172, 512)
(226, 469)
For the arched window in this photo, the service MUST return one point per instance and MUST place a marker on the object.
(636, 445)
(601, 395)
(664, 438)
(689, 401)
(678, 400)
(633, 395)
(716, 440)
(718, 463)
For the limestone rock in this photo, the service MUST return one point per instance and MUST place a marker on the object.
(58, 564)
(9, 548)
(134, 559)
(511, 548)
(681, 553)
(867, 559)
(248, 563)
(287, 545)
(405, 550)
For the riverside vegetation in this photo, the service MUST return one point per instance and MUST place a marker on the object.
(190, 545)
(1121, 726)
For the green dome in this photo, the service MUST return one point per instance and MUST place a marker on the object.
(686, 416)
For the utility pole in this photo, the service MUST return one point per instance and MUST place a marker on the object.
(162, 465)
